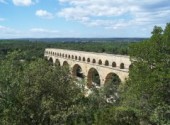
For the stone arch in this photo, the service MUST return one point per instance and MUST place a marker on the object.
(84, 59)
(72, 57)
(122, 66)
(100, 62)
(88, 59)
(106, 63)
(130, 66)
(77, 71)
(79, 58)
(93, 78)
(112, 82)
(57, 62)
(112, 77)
(114, 64)
(69, 56)
(65, 64)
(75, 57)
(94, 61)
(51, 61)
(65, 55)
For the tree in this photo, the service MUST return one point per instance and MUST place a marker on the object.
(36, 93)
(149, 78)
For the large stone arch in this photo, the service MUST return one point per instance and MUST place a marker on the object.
(93, 77)
(112, 77)
(51, 61)
(65, 64)
(77, 71)
(57, 62)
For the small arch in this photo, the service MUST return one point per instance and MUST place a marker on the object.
(65, 55)
(75, 57)
(93, 78)
(72, 57)
(53, 53)
(69, 56)
(77, 71)
(122, 66)
(65, 64)
(58, 54)
(106, 63)
(84, 59)
(88, 59)
(94, 61)
(79, 58)
(57, 62)
(100, 62)
(114, 64)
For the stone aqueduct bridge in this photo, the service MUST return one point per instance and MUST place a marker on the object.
(107, 65)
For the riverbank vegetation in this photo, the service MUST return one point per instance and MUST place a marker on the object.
(33, 92)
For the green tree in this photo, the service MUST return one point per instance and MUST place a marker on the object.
(149, 79)
(35, 93)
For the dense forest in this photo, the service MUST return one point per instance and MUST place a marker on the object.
(34, 92)
(35, 49)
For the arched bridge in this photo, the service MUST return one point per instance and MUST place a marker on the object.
(89, 64)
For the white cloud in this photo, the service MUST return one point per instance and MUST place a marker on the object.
(44, 14)
(24, 2)
(41, 30)
(7, 32)
(116, 14)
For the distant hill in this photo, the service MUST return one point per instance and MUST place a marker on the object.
(83, 39)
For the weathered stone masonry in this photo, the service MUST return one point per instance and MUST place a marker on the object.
(105, 64)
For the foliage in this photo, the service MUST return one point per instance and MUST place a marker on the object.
(161, 115)
(116, 116)
(35, 93)
(33, 50)
(149, 80)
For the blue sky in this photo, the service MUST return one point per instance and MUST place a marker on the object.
(81, 18)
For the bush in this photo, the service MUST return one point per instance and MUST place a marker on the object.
(116, 116)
